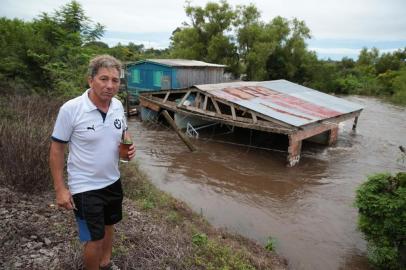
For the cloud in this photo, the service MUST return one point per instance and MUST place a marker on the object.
(339, 53)
(150, 40)
(147, 44)
(363, 19)
(367, 21)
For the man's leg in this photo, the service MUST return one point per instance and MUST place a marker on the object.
(107, 245)
(92, 254)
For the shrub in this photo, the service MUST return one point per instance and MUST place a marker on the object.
(270, 244)
(26, 125)
(399, 87)
(381, 203)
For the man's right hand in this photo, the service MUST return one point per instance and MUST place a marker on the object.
(64, 199)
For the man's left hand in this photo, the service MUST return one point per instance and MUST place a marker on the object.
(131, 152)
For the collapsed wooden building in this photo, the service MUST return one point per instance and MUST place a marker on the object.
(278, 106)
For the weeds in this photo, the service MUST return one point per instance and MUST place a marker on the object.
(212, 255)
(270, 244)
(199, 239)
(26, 125)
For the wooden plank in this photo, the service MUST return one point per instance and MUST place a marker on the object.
(216, 106)
(181, 135)
(194, 109)
(354, 125)
(198, 100)
(184, 97)
(166, 97)
(162, 92)
(205, 102)
(254, 117)
(233, 112)
(150, 105)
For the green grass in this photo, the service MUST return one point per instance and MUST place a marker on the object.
(211, 255)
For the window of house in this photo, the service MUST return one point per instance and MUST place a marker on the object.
(135, 76)
(157, 75)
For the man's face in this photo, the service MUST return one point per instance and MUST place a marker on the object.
(105, 84)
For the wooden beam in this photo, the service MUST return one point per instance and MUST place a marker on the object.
(333, 121)
(194, 109)
(233, 112)
(181, 135)
(216, 106)
(198, 99)
(354, 125)
(163, 92)
(150, 105)
(166, 97)
(184, 97)
(205, 102)
(254, 117)
(310, 132)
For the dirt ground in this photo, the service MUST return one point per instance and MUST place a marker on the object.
(35, 234)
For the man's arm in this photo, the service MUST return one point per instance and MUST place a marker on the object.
(56, 163)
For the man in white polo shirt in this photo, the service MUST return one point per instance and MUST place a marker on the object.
(92, 125)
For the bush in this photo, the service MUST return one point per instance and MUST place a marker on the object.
(26, 125)
(381, 203)
(399, 87)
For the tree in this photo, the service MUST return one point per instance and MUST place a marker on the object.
(239, 39)
(15, 38)
(72, 19)
(248, 28)
(368, 58)
(206, 36)
(47, 56)
(288, 60)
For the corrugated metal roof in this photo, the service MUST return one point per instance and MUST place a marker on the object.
(282, 100)
(183, 63)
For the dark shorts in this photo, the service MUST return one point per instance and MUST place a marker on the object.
(97, 208)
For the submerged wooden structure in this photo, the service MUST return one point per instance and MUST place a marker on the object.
(276, 106)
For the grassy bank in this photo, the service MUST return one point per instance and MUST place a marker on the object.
(189, 242)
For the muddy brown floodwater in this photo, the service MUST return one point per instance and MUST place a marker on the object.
(307, 209)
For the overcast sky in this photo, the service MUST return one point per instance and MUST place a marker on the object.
(338, 27)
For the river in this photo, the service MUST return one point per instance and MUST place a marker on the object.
(307, 210)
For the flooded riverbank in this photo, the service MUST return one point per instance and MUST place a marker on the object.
(307, 209)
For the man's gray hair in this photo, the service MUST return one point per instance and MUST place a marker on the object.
(103, 61)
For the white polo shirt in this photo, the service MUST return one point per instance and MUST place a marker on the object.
(93, 143)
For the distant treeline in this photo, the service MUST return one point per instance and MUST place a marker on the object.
(49, 55)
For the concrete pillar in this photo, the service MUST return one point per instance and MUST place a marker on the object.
(294, 149)
(333, 134)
